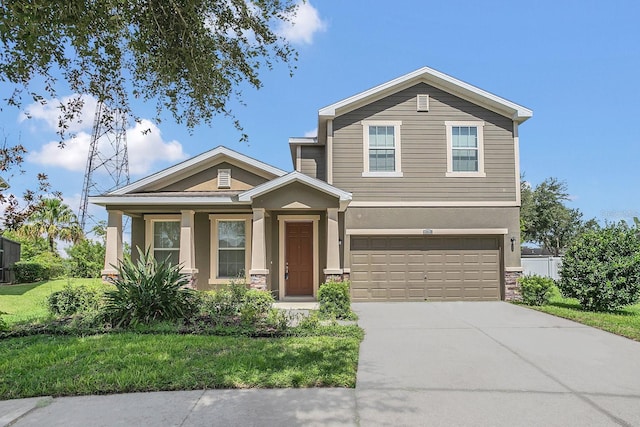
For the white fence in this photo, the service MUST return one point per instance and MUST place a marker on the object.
(542, 266)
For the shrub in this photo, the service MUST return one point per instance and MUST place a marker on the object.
(73, 299)
(29, 272)
(148, 291)
(602, 268)
(225, 302)
(536, 290)
(255, 306)
(86, 258)
(335, 301)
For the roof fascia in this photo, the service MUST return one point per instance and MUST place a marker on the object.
(194, 162)
(437, 79)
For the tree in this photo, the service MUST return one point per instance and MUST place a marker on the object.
(86, 258)
(601, 268)
(16, 209)
(191, 57)
(55, 221)
(544, 218)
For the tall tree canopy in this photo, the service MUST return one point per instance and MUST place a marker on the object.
(53, 220)
(189, 56)
(545, 219)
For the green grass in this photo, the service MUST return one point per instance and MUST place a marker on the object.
(28, 302)
(129, 362)
(624, 322)
(61, 365)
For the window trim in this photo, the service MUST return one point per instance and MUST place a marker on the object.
(480, 173)
(397, 148)
(149, 220)
(213, 256)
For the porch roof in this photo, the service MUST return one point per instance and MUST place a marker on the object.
(344, 197)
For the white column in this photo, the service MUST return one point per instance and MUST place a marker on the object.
(258, 244)
(113, 247)
(187, 243)
(333, 243)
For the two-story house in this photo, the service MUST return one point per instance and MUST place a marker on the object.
(411, 189)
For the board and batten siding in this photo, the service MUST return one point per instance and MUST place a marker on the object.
(313, 161)
(424, 151)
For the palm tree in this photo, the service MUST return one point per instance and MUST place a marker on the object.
(54, 220)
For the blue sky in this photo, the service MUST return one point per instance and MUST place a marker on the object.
(574, 63)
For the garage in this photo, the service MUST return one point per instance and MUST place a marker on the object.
(419, 268)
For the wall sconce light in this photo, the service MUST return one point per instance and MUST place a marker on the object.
(339, 242)
(513, 243)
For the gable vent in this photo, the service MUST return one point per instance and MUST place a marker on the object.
(423, 103)
(224, 178)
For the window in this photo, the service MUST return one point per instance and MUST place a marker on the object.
(163, 237)
(465, 153)
(230, 247)
(381, 148)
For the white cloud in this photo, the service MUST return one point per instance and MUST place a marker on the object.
(311, 133)
(50, 112)
(145, 150)
(303, 25)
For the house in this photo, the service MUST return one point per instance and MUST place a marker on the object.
(410, 189)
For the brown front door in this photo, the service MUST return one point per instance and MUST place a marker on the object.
(299, 258)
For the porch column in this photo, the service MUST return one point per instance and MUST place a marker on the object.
(258, 271)
(113, 247)
(333, 270)
(187, 256)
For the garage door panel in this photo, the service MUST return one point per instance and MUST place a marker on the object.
(394, 268)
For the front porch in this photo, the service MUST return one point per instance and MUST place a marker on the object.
(284, 237)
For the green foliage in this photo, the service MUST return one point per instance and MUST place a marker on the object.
(29, 272)
(73, 300)
(29, 247)
(601, 269)
(241, 310)
(86, 259)
(335, 300)
(190, 57)
(545, 219)
(148, 291)
(536, 290)
(3, 323)
(52, 220)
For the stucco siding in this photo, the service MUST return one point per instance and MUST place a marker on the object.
(295, 196)
(313, 161)
(202, 243)
(424, 151)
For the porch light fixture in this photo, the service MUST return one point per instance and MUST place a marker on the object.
(513, 243)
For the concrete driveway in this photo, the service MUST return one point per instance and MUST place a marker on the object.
(491, 364)
(421, 364)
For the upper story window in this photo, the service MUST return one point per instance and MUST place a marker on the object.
(381, 148)
(163, 237)
(465, 149)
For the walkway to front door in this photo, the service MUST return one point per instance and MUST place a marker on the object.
(299, 259)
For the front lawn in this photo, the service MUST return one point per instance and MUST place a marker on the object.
(130, 362)
(625, 322)
(28, 301)
(72, 360)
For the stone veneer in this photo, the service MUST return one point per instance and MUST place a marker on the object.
(511, 286)
(259, 282)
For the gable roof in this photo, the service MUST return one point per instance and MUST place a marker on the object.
(198, 163)
(343, 196)
(437, 79)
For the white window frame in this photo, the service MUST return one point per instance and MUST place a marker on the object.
(397, 139)
(213, 220)
(480, 173)
(149, 221)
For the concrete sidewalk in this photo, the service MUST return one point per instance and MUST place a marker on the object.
(436, 364)
(255, 407)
